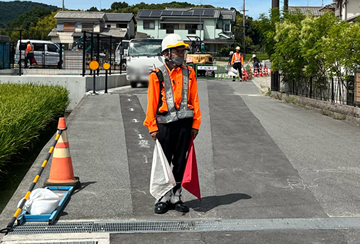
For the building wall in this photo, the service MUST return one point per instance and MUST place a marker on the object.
(352, 9)
(131, 29)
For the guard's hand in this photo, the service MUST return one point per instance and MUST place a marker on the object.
(194, 133)
(154, 135)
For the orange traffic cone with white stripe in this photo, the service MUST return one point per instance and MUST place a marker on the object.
(61, 172)
(255, 73)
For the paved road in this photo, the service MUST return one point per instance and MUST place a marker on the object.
(258, 159)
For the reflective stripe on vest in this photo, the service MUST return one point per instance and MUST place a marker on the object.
(184, 111)
(237, 58)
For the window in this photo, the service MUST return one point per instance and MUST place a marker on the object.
(87, 26)
(52, 48)
(125, 26)
(69, 27)
(109, 26)
(191, 28)
(227, 27)
(39, 47)
(170, 28)
(149, 24)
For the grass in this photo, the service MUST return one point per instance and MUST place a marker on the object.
(26, 110)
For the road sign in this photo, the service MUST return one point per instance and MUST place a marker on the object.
(106, 66)
(207, 67)
(94, 65)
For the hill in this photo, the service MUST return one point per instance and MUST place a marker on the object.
(12, 10)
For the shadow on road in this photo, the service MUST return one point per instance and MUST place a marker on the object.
(83, 185)
(210, 202)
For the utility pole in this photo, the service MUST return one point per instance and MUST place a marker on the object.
(63, 6)
(286, 5)
(275, 84)
(244, 55)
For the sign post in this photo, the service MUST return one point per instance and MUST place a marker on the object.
(106, 66)
(94, 65)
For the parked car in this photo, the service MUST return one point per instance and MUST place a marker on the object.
(46, 53)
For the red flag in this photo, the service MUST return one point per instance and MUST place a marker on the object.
(191, 179)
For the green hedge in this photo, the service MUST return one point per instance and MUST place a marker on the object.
(25, 110)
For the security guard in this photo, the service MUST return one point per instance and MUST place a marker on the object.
(173, 114)
(237, 61)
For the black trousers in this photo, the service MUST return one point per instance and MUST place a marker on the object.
(174, 138)
(238, 67)
(29, 57)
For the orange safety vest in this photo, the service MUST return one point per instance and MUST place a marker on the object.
(29, 49)
(176, 77)
(236, 58)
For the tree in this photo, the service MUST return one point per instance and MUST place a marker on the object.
(266, 26)
(92, 9)
(119, 5)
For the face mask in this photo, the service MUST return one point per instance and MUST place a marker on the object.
(177, 61)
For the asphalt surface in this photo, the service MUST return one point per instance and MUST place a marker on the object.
(258, 158)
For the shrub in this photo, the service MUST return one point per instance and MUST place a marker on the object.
(25, 110)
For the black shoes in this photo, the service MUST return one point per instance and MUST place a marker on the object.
(161, 207)
(179, 206)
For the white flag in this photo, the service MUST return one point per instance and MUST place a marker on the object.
(162, 179)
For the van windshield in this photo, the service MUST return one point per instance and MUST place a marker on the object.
(145, 47)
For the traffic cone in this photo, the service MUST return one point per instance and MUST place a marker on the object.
(266, 71)
(61, 172)
(245, 75)
(255, 73)
(260, 72)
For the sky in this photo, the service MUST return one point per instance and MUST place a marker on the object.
(254, 8)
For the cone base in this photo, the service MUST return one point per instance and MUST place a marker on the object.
(75, 183)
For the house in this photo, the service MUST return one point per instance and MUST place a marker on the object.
(72, 24)
(213, 26)
(329, 8)
(121, 21)
(347, 10)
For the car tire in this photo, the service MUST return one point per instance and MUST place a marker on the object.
(133, 84)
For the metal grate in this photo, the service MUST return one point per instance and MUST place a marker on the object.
(71, 242)
(188, 225)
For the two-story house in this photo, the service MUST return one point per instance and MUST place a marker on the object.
(71, 24)
(213, 26)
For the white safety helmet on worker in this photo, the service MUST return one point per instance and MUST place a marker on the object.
(237, 48)
(254, 55)
(172, 41)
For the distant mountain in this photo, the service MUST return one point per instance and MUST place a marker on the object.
(12, 10)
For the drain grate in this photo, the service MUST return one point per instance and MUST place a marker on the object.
(188, 225)
(71, 242)
(42, 228)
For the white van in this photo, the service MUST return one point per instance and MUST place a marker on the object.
(144, 55)
(46, 53)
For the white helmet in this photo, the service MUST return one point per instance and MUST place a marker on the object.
(254, 55)
(172, 41)
(237, 48)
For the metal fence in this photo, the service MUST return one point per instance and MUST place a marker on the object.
(67, 58)
(4, 52)
(327, 89)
